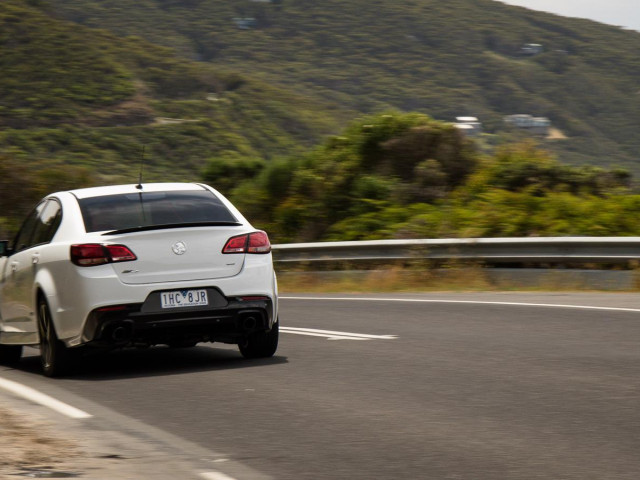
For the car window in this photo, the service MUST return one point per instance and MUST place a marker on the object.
(47, 223)
(25, 234)
(118, 212)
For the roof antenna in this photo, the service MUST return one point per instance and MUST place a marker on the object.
(139, 185)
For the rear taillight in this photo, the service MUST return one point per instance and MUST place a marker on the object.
(259, 243)
(90, 254)
(256, 242)
(120, 253)
(236, 244)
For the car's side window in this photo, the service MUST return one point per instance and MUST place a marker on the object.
(23, 239)
(47, 223)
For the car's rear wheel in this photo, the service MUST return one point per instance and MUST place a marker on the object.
(261, 344)
(54, 355)
(10, 354)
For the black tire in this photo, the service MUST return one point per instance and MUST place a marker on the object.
(10, 354)
(54, 355)
(261, 344)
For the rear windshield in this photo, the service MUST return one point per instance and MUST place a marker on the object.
(132, 210)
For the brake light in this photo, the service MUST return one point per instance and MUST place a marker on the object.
(120, 253)
(236, 245)
(259, 243)
(256, 242)
(91, 254)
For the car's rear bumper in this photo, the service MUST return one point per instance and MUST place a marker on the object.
(133, 324)
(74, 310)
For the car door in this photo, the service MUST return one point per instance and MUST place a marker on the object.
(16, 295)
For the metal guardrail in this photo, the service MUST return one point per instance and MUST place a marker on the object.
(597, 250)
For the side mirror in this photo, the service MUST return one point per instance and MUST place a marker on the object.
(5, 251)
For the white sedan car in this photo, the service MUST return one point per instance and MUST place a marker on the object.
(136, 265)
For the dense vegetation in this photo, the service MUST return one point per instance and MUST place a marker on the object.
(78, 107)
(409, 176)
(238, 93)
(80, 96)
(443, 58)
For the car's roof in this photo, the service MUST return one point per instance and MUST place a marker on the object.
(134, 188)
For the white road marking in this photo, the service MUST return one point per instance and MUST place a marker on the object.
(328, 337)
(333, 335)
(215, 476)
(472, 302)
(42, 399)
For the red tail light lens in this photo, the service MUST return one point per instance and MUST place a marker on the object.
(259, 243)
(120, 253)
(88, 255)
(91, 254)
(236, 245)
(256, 242)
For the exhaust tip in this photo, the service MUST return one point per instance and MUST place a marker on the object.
(249, 323)
(122, 332)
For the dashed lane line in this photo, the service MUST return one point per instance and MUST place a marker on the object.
(333, 335)
(215, 476)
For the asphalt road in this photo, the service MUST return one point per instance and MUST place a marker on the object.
(438, 391)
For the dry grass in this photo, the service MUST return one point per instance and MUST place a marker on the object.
(400, 279)
(388, 280)
(30, 445)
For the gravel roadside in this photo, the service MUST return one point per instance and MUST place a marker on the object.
(38, 443)
(31, 445)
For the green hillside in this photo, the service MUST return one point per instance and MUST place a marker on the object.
(75, 96)
(259, 99)
(79, 106)
(446, 59)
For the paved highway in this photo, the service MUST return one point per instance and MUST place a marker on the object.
(365, 388)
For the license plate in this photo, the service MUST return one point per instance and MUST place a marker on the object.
(184, 298)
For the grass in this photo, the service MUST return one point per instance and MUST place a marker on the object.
(459, 279)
